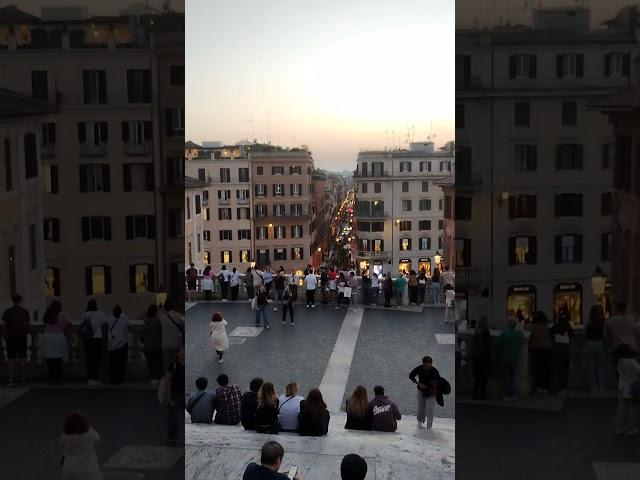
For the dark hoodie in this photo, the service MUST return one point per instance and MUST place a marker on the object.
(384, 414)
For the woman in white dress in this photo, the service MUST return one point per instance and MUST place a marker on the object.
(79, 459)
(219, 339)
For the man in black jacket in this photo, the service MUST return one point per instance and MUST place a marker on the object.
(249, 404)
(426, 377)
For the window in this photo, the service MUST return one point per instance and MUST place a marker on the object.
(224, 214)
(364, 169)
(30, 156)
(175, 121)
(440, 204)
(462, 250)
(226, 235)
(463, 72)
(138, 177)
(244, 213)
(206, 214)
(225, 175)
(606, 204)
(176, 222)
(278, 189)
(440, 224)
(244, 234)
(424, 243)
(206, 235)
(40, 85)
(226, 256)
(224, 197)
(522, 66)
(96, 228)
(262, 257)
(243, 174)
(262, 233)
(139, 86)
(377, 226)
(607, 155)
(364, 188)
(295, 170)
(51, 229)
(176, 75)
(175, 170)
(405, 244)
(277, 170)
(405, 226)
(605, 247)
(8, 171)
(568, 205)
(242, 196)
(364, 245)
(52, 281)
(92, 136)
(522, 114)
(297, 253)
(424, 225)
(569, 113)
(140, 226)
(94, 178)
(460, 119)
(405, 187)
(296, 209)
(259, 170)
(377, 245)
(33, 247)
(280, 254)
(405, 167)
(569, 156)
(280, 232)
(364, 226)
(48, 143)
(141, 278)
(568, 248)
(377, 169)
(425, 166)
(261, 210)
(136, 136)
(245, 256)
(94, 86)
(261, 190)
(51, 178)
(463, 208)
(425, 186)
(425, 204)
(188, 207)
(98, 280)
(377, 188)
(278, 210)
(526, 158)
(406, 205)
(463, 163)
(617, 64)
(522, 250)
(522, 206)
(296, 231)
(570, 65)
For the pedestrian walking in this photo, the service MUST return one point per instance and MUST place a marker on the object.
(561, 334)
(324, 285)
(118, 345)
(267, 277)
(425, 376)
(79, 459)
(594, 349)
(207, 283)
(481, 358)
(310, 284)
(366, 289)
(279, 282)
(287, 305)
(93, 327)
(55, 348)
(449, 304)
(16, 322)
(293, 284)
(219, 339)
(375, 288)
(413, 287)
(509, 348)
(333, 285)
(234, 284)
(399, 287)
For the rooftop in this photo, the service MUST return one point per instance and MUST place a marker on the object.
(193, 183)
(14, 104)
(623, 100)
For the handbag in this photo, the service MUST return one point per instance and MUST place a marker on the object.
(347, 292)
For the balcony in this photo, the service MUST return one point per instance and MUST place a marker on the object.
(357, 174)
(137, 149)
(468, 276)
(91, 150)
(468, 179)
(376, 214)
(224, 201)
(243, 201)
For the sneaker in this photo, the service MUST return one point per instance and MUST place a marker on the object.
(293, 324)
(225, 300)
(313, 306)
(220, 360)
(275, 309)
(267, 327)
(284, 321)
(420, 424)
(307, 305)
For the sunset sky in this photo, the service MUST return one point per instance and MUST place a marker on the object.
(336, 75)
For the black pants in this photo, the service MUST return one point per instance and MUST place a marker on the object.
(561, 363)
(268, 286)
(250, 292)
(234, 292)
(207, 295)
(155, 365)
(118, 364)
(224, 286)
(413, 294)
(54, 366)
(287, 307)
(387, 298)
(294, 291)
(93, 355)
(541, 361)
(311, 297)
(480, 377)
(175, 424)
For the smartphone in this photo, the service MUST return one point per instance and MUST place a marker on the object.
(293, 471)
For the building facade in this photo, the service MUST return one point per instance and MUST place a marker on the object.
(194, 225)
(533, 198)
(399, 208)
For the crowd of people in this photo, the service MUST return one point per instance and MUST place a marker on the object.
(612, 342)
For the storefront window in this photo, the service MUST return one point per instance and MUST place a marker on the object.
(404, 265)
(568, 296)
(363, 265)
(377, 268)
(424, 264)
(521, 303)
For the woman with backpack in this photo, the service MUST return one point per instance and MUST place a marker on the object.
(54, 341)
(118, 345)
(92, 326)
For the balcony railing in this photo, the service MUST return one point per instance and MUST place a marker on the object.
(369, 214)
(358, 174)
(91, 150)
(224, 201)
(366, 254)
(132, 148)
(469, 275)
(243, 201)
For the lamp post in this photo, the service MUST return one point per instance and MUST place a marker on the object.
(598, 285)
(437, 258)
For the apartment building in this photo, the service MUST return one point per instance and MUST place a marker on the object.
(194, 226)
(399, 207)
(105, 159)
(23, 226)
(533, 204)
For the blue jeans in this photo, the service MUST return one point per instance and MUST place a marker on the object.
(596, 360)
(421, 292)
(262, 310)
(509, 377)
(435, 293)
(375, 291)
(279, 296)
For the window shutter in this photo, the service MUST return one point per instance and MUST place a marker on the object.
(533, 70)
(82, 134)
(107, 279)
(132, 278)
(578, 248)
(533, 157)
(52, 133)
(512, 66)
(532, 256)
(558, 248)
(146, 78)
(56, 230)
(626, 65)
(130, 86)
(104, 132)
(170, 173)
(86, 236)
(559, 72)
(172, 224)
(102, 86)
(86, 85)
(125, 131)
(151, 277)
(607, 65)
(149, 177)
(107, 228)
(579, 65)
(107, 180)
(126, 177)
(148, 131)
(54, 178)
(579, 156)
(512, 250)
(273, 187)
(83, 178)
(558, 205)
(169, 120)
(88, 283)
(151, 226)
(129, 227)
(512, 207)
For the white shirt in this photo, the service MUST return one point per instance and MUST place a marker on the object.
(293, 280)
(226, 275)
(289, 411)
(80, 460)
(235, 279)
(118, 332)
(311, 281)
(97, 318)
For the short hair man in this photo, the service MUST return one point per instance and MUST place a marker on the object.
(353, 467)
(227, 402)
(16, 321)
(270, 462)
(202, 403)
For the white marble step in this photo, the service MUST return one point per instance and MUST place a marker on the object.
(221, 452)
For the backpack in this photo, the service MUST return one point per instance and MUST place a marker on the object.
(86, 328)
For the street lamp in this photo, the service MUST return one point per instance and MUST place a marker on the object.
(437, 258)
(599, 285)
